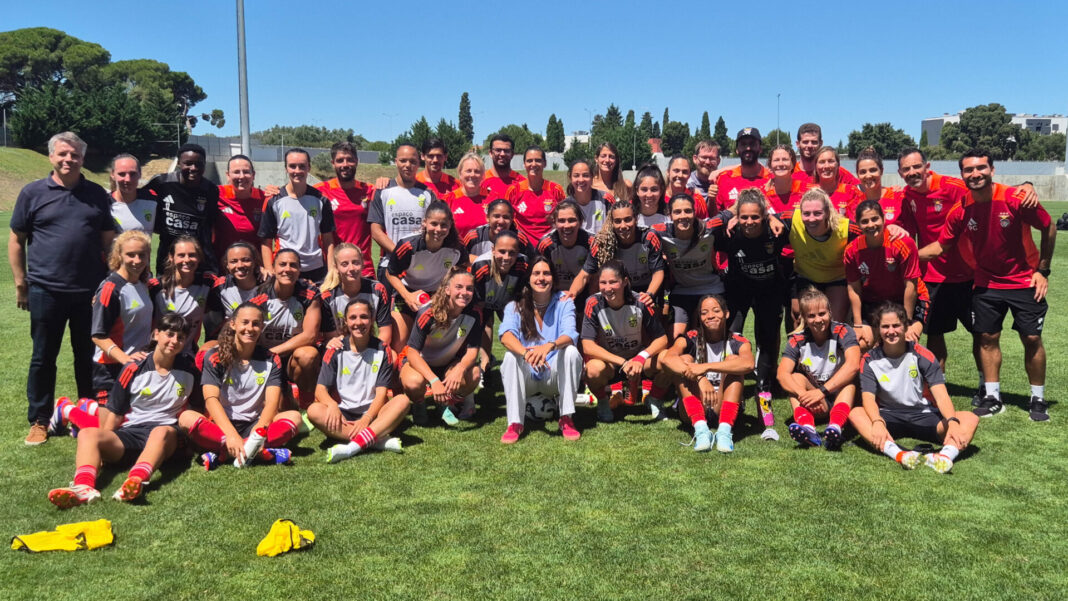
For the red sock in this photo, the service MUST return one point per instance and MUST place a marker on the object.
(279, 433)
(365, 438)
(657, 392)
(728, 413)
(804, 417)
(85, 474)
(207, 435)
(142, 470)
(82, 419)
(601, 395)
(839, 414)
(694, 409)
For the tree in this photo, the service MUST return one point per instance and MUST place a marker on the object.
(721, 137)
(986, 126)
(554, 135)
(706, 129)
(172, 93)
(455, 143)
(578, 150)
(840, 149)
(1036, 147)
(629, 121)
(768, 143)
(417, 134)
(521, 136)
(645, 128)
(674, 138)
(309, 136)
(664, 122)
(107, 117)
(467, 124)
(923, 139)
(613, 117)
(35, 57)
(883, 137)
(656, 129)
(633, 148)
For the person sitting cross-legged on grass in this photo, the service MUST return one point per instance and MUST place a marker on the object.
(538, 331)
(149, 393)
(892, 380)
(350, 398)
(710, 364)
(818, 370)
(242, 385)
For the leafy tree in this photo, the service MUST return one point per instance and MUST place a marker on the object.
(629, 121)
(520, 134)
(35, 57)
(418, 133)
(769, 141)
(172, 93)
(467, 124)
(578, 150)
(883, 137)
(674, 138)
(721, 137)
(645, 128)
(633, 148)
(923, 139)
(455, 143)
(554, 135)
(613, 117)
(656, 129)
(705, 130)
(986, 126)
(1036, 147)
(110, 119)
(309, 136)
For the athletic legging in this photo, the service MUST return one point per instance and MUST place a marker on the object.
(766, 303)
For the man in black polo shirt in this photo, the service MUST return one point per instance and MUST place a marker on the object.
(60, 228)
(188, 206)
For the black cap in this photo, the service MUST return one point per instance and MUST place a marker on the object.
(748, 131)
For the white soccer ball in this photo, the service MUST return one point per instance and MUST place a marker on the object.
(540, 408)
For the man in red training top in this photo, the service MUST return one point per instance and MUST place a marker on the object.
(349, 198)
(750, 174)
(500, 176)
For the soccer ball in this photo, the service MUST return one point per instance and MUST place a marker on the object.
(540, 408)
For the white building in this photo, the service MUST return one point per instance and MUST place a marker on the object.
(582, 137)
(1040, 124)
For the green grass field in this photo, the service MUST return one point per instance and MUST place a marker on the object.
(624, 513)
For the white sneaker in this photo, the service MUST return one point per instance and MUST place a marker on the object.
(770, 434)
(73, 496)
(391, 444)
(938, 462)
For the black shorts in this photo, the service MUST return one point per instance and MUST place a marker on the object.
(104, 376)
(950, 302)
(352, 414)
(134, 438)
(801, 284)
(402, 307)
(989, 306)
(912, 423)
(315, 275)
(244, 428)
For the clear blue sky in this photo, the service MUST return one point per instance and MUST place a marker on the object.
(376, 67)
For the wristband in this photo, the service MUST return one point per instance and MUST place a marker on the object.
(110, 348)
(641, 357)
(1045, 272)
(826, 393)
(879, 421)
(953, 419)
(435, 379)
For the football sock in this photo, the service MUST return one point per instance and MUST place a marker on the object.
(657, 393)
(85, 475)
(993, 389)
(81, 418)
(803, 417)
(728, 413)
(1038, 392)
(365, 438)
(950, 451)
(839, 414)
(142, 470)
(207, 435)
(694, 409)
(891, 450)
(280, 432)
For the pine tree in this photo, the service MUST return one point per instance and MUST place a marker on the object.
(664, 122)
(554, 134)
(706, 128)
(467, 124)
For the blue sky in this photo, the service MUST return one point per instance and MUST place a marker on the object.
(377, 66)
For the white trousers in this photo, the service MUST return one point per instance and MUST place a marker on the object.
(560, 379)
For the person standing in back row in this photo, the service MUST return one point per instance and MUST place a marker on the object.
(60, 227)
(396, 210)
(188, 206)
(349, 199)
(500, 176)
(299, 217)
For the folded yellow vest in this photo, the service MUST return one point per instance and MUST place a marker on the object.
(284, 536)
(67, 537)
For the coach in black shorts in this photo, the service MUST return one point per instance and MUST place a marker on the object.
(60, 228)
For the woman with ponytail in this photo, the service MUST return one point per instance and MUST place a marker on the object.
(184, 290)
(345, 282)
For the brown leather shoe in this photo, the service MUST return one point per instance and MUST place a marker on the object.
(38, 435)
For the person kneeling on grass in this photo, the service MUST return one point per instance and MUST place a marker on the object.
(442, 353)
(818, 369)
(350, 398)
(149, 393)
(621, 338)
(710, 364)
(538, 331)
(242, 385)
(892, 383)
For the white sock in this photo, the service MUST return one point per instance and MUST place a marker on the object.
(993, 389)
(1038, 391)
(698, 425)
(950, 451)
(346, 450)
(890, 449)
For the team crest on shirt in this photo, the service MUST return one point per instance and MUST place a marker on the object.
(832, 358)
(148, 216)
(548, 205)
(890, 214)
(460, 332)
(201, 203)
(632, 321)
(769, 247)
(937, 206)
(375, 365)
(201, 300)
(313, 212)
(261, 377)
(973, 225)
(179, 388)
(913, 372)
(1005, 219)
(643, 259)
(704, 247)
(422, 200)
(298, 315)
(448, 263)
(891, 264)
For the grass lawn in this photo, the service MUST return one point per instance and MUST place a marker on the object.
(624, 513)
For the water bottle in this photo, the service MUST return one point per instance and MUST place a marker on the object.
(252, 446)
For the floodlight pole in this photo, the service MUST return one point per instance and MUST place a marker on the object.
(242, 80)
(777, 98)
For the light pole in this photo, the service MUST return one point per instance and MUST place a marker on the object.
(633, 149)
(777, 97)
(242, 80)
